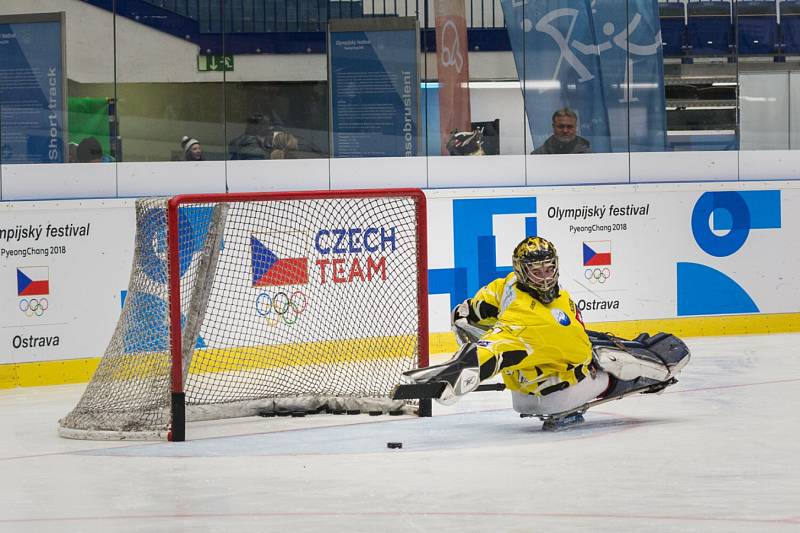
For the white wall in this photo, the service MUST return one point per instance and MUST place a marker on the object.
(147, 55)
(769, 110)
(143, 54)
(763, 101)
(502, 100)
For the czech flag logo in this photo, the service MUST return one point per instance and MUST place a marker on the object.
(269, 270)
(33, 281)
(597, 253)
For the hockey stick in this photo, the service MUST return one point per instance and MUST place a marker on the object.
(432, 391)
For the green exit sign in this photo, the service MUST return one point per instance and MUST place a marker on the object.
(214, 63)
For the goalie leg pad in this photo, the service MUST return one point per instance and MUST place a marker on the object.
(659, 357)
(628, 365)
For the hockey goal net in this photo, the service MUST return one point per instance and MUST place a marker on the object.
(241, 304)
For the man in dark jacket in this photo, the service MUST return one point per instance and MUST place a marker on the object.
(564, 139)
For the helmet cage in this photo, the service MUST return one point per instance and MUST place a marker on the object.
(541, 276)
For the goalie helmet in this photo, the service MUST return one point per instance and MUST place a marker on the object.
(466, 142)
(536, 265)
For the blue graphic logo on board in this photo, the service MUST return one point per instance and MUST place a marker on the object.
(152, 239)
(475, 245)
(147, 326)
(721, 224)
(560, 316)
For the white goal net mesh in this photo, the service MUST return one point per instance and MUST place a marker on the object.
(286, 305)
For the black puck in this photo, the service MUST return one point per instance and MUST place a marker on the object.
(375, 413)
(353, 411)
(399, 412)
(394, 444)
(298, 414)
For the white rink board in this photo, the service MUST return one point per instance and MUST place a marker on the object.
(86, 268)
(650, 239)
(86, 281)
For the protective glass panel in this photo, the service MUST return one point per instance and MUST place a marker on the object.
(169, 82)
(49, 112)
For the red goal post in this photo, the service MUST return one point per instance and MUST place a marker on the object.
(279, 302)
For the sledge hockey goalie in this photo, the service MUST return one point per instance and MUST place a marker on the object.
(527, 329)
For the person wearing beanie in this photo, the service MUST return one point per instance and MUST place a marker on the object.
(192, 149)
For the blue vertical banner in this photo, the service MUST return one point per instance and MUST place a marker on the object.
(632, 59)
(547, 37)
(601, 58)
(374, 87)
(32, 89)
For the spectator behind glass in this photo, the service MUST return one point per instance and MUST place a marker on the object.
(191, 149)
(89, 151)
(282, 143)
(253, 142)
(564, 139)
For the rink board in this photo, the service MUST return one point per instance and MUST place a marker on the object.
(694, 259)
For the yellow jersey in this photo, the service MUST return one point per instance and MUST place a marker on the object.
(552, 335)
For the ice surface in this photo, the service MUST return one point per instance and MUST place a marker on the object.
(716, 452)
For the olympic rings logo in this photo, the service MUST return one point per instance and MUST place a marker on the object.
(597, 275)
(281, 307)
(33, 306)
